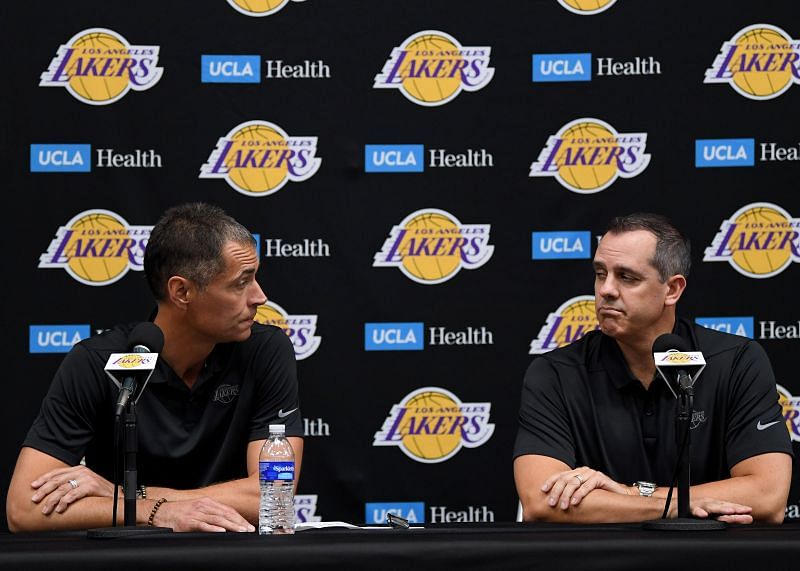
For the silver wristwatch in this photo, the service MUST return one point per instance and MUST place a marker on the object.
(645, 488)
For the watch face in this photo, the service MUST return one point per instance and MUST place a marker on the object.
(645, 488)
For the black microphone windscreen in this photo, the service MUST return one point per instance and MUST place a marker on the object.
(669, 341)
(147, 334)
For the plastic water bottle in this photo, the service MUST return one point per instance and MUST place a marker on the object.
(276, 476)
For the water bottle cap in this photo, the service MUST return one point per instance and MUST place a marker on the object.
(277, 429)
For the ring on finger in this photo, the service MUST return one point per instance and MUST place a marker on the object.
(73, 483)
(580, 480)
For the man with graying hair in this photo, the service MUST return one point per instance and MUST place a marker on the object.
(220, 380)
(596, 439)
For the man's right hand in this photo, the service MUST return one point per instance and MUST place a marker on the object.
(710, 508)
(201, 514)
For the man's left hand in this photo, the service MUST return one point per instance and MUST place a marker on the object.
(568, 488)
(59, 488)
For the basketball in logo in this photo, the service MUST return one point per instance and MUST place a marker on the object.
(98, 88)
(581, 135)
(429, 446)
(300, 329)
(258, 8)
(96, 269)
(572, 320)
(430, 89)
(587, 7)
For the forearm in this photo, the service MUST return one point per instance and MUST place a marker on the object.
(242, 495)
(85, 513)
(599, 506)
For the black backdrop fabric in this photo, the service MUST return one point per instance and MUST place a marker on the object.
(425, 424)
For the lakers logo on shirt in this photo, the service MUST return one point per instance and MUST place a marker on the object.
(572, 320)
(258, 158)
(259, 8)
(431, 424)
(587, 155)
(97, 247)
(587, 7)
(760, 62)
(431, 68)
(98, 66)
(430, 246)
(760, 240)
(300, 329)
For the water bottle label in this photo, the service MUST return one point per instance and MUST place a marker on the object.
(275, 471)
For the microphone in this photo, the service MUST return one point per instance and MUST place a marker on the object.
(146, 341)
(676, 363)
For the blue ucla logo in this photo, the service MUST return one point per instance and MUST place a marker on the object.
(230, 69)
(393, 336)
(61, 158)
(375, 512)
(724, 153)
(56, 338)
(562, 67)
(564, 245)
(736, 325)
(394, 158)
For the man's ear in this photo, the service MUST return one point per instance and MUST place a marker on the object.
(675, 286)
(180, 292)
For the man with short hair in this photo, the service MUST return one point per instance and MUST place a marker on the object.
(596, 439)
(220, 380)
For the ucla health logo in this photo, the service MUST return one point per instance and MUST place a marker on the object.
(61, 158)
(743, 326)
(587, 155)
(258, 158)
(561, 245)
(97, 247)
(760, 240)
(375, 512)
(791, 411)
(431, 425)
(98, 66)
(56, 338)
(572, 320)
(259, 8)
(394, 336)
(230, 69)
(300, 329)
(760, 62)
(724, 153)
(562, 67)
(431, 68)
(430, 246)
(587, 7)
(394, 158)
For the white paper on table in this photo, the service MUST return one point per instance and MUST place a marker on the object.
(323, 524)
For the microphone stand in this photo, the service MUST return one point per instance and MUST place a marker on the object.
(684, 521)
(130, 449)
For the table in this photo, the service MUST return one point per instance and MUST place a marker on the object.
(442, 547)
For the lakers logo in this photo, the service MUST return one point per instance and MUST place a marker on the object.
(430, 246)
(300, 329)
(431, 68)
(99, 66)
(760, 240)
(572, 320)
(259, 8)
(587, 7)
(258, 158)
(97, 247)
(431, 425)
(587, 155)
(133, 361)
(791, 412)
(759, 62)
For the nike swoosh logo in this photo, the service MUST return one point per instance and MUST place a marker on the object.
(282, 414)
(765, 426)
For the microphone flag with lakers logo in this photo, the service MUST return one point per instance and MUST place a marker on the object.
(677, 365)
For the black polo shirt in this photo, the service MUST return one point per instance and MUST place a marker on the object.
(188, 438)
(582, 405)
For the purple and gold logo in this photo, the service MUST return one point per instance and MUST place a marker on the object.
(791, 412)
(587, 7)
(431, 68)
(759, 62)
(430, 246)
(98, 66)
(760, 240)
(587, 155)
(572, 320)
(258, 158)
(300, 329)
(97, 247)
(259, 8)
(431, 424)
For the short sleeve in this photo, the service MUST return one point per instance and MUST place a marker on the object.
(544, 426)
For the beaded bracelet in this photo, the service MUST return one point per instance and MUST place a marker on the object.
(154, 510)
